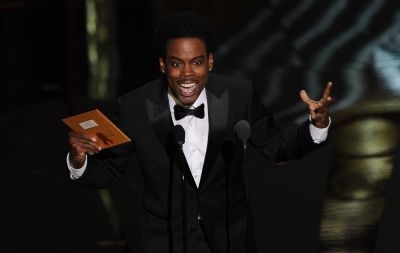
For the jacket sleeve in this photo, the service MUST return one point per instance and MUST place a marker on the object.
(273, 142)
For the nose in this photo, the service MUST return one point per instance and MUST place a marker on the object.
(187, 70)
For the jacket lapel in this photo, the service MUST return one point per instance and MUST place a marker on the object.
(158, 111)
(218, 106)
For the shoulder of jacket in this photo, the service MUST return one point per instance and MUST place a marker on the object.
(215, 77)
(219, 83)
(142, 89)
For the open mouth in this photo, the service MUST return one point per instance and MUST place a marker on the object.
(187, 89)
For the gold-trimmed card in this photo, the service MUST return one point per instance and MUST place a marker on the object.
(96, 124)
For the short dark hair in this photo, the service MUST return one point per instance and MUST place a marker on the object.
(184, 24)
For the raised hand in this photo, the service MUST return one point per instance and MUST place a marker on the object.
(319, 109)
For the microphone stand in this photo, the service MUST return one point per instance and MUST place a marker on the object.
(246, 185)
(183, 189)
(179, 136)
(179, 157)
(242, 130)
(170, 185)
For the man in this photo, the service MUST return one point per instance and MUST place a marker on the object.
(195, 198)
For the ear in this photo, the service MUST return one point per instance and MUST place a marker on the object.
(210, 61)
(162, 65)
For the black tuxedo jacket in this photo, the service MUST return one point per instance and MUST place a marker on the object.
(220, 199)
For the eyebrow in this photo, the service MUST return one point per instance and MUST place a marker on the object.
(193, 59)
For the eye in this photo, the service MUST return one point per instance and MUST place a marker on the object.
(198, 62)
(176, 64)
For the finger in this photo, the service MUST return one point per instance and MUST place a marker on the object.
(327, 92)
(81, 136)
(84, 140)
(80, 146)
(305, 98)
(89, 149)
(80, 150)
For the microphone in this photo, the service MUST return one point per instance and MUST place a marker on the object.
(242, 131)
(179, 135)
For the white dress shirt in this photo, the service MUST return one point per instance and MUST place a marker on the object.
(196, 135)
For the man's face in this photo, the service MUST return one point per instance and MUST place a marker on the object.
(186, 68)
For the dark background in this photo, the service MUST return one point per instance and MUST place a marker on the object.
(282, 46)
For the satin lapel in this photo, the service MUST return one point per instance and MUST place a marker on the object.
(160, 117)
(218, 108)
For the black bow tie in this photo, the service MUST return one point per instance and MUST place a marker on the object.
(181, 112)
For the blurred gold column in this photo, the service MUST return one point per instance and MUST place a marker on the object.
(102, 86)
(102, 49)
(363, 144)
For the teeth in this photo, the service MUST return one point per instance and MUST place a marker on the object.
(187, 88)
(187, 85)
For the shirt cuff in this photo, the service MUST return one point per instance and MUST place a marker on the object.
(319, 134)
(76, 173)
